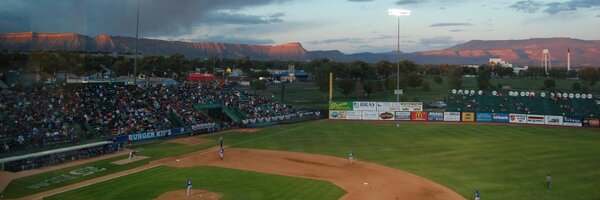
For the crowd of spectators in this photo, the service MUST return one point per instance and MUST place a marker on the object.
(44, 115)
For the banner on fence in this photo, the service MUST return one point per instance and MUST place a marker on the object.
(452, 116)
(157, 134)
(411, 106)
(341, 105)
(501, 117)
(203, 126)
(370, 115)
(402, 116)
(553, 120)
(418, 116)
(518, 118)
(484, 117)
(567, 121)
(591, 122)
(364, 106)
(536, 119)
(435, 116)
(386, 116)
(468, 116)
(354, 115)
(336, 114)
(389, 106)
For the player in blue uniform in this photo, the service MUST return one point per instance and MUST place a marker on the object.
(189, 186)
(477, 195)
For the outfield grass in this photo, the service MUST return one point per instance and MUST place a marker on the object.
(20, 187)
(504, 162)
(308, 95)
(231, 183)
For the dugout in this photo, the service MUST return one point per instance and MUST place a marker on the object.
(56, 156)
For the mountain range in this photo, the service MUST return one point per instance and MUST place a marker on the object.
(519, 52)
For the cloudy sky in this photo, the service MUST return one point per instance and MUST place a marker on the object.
(347, 25)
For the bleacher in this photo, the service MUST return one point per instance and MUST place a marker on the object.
(530, 103)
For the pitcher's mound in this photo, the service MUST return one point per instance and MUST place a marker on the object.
(189, 140)
(127, 160)
(196, 195)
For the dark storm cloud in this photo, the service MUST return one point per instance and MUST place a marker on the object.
(450, 24)
(117, 17)
(406, 2)
(553, 8)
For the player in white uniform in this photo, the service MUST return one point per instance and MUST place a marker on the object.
(189, 186)
(222, 152)
(351, 157)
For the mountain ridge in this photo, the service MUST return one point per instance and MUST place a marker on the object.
(520, 52)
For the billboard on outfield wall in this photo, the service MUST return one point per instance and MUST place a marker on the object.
(501, 117)
(364, 106)
(341, 105)
(468, 117)
(402, 116)
(418, 116)
(435, 116)
(452, 116)
(483, 117)
(370, 115)
(536, 119)
(553, 120)
(567, 121)
(591, 122)
(388, 106)
(337, 114)
(354, 115)
(518, 118)
(411, 106)
(386, 116)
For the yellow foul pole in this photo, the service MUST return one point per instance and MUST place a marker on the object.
(330, 86)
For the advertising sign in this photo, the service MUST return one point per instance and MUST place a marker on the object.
(591, 122)
(518, 118)
(418, 116)
(334, 114)
(553, 120)
(388, 106)
(536, 119)
(501, 117)
(341, 105)
(484, 117)
(386, 116)
(402, 116)
(370, 115)
(435, 116)
(567, 121)
(354, 115)
(411, 106)
(468, 116)
(452, 116)
(364, 106)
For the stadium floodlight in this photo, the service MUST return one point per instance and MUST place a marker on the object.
(399, 12)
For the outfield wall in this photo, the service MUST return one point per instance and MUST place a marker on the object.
(413, 111)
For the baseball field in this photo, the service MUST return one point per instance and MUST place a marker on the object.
(309, 161)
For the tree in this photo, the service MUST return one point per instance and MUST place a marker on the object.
(576, 86)
(384, 68)
(346, 86)
(589, 75)
(483, 79)
(438, 79)
(549, 84)
(369, 86)
(414, 80)
(426, 87)
(455, 78)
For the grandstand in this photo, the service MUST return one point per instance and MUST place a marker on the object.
(529, 103)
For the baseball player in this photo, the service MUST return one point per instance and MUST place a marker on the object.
(477, 195)
(221, 141)
(221, 152)
(548, 181)
(189, 186)
(351, 157)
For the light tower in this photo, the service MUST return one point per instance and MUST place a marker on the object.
(568, 60)
(398, 13)
(546, 59)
